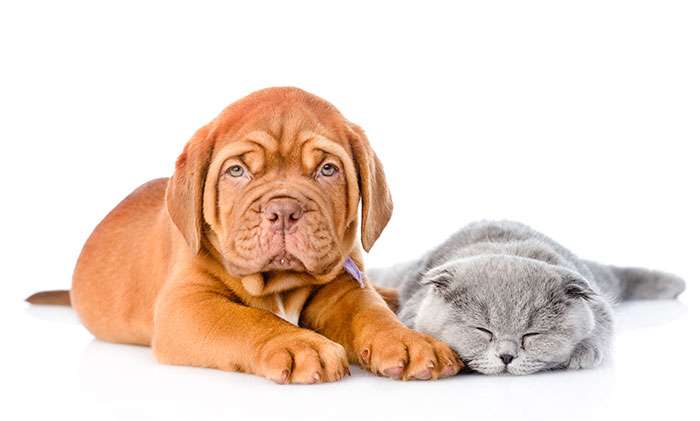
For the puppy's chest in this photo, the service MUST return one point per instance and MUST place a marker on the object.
(287, 305)
(283, 294)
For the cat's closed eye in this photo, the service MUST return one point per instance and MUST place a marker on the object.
(485, 331)
(525, 337)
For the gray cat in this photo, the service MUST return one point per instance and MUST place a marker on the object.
(510, 300)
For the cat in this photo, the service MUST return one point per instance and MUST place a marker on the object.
(508, 299)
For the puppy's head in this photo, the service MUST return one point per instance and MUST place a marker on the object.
(274, 183)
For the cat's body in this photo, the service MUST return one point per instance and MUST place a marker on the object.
(509, 299)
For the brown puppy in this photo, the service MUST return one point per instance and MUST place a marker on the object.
(216, 266)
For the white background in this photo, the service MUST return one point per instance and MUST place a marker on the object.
(580, 119)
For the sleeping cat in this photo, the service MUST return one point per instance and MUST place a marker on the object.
(510, 300)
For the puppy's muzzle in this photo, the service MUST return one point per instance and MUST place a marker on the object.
(283, 213)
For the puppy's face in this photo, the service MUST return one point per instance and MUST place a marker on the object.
(282, 174)
(282, 201)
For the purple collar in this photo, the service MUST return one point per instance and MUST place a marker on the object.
(352, 269)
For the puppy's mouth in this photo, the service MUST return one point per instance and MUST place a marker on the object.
(284, 231)
(285, 261)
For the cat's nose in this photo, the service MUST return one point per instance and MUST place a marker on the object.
(506, 358)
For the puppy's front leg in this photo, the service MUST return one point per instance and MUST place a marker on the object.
(197, 324)
(360, 320)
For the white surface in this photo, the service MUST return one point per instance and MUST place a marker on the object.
(580, 119)
(59, 371)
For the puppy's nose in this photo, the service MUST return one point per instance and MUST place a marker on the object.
(506, 358)
(283, 213)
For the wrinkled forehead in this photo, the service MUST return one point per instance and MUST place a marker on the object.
(285, 134)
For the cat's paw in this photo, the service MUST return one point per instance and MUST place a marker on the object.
(585, 355)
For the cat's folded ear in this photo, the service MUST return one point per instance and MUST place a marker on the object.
(575, 287)
(440, 279)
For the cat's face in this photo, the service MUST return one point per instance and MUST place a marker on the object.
(505, 314)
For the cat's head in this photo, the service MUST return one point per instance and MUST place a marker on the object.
(507, 314)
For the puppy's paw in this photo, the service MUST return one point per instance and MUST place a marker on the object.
(585, 355)
(404, 354)
(302, 357)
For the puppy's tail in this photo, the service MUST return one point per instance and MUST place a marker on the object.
(645, 284)
(57, 297)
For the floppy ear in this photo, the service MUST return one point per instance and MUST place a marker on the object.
(578, 288)
(440, 280)
(376, 198)
(186, 188)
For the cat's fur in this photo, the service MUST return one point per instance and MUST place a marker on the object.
(500, 289)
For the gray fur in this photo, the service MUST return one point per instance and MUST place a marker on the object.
(513, 281)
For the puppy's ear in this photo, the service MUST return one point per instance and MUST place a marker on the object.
(376, 198)
(186, 188)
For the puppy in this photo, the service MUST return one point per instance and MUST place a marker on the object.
(246, 258)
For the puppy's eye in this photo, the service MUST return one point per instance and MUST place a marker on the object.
(486, 331)
(328, 170)
(235, 170)
(527, 335)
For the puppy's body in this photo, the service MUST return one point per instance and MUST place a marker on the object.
(509, 299)
(216, 266)
(115, 283)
